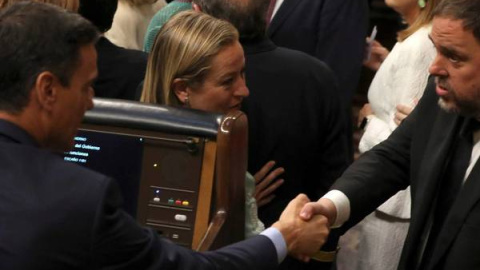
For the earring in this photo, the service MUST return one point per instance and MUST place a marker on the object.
(421, 3)
(187, 102)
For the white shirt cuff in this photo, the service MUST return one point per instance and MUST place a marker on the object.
(342, 204)
(277, 239)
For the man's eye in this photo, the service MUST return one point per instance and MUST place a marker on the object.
(454, 59)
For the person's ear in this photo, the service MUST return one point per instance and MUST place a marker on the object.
(181, 90)
(46, 88)
(196, 7)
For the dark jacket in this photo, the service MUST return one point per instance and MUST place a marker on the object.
(416, 154)
(58, 215)
(120, 71)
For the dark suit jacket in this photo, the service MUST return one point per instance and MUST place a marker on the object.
(57, 215)
(416, 154)
(120, 70)
(333, 31)
(295, 118)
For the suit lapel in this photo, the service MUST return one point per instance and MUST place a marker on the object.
(466, 199)
(282, 14)
(431, 167)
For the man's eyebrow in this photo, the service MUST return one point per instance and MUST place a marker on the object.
(449, 51)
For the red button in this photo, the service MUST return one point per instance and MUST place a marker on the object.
(178, 202)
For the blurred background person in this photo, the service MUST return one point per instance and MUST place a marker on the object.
(131, 21)
(397, 86)
(330, 30)
(120, 70)
(161, 17)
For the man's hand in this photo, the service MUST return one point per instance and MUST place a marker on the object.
(303, 238)
(264, 187)
(378, 54)
(324, 207)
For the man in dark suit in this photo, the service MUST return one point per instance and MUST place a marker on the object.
(58, 215)
(333, 31)
(294, 113)
(426, 152)
(120, 70)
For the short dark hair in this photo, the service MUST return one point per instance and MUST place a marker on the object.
(249, 17)
(34, 38)
(99, 12)
(468, 11)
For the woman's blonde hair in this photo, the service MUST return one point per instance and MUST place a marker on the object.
(425, 17)
(70, 5)
(184, 49)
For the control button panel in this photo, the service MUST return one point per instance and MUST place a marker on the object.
(172, 197)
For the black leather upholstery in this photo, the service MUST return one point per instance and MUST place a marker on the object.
(121, 113)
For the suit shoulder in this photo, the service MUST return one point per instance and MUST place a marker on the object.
(110, 52)
(302, 60)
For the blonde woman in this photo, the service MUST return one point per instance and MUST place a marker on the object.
(397, 86)
(197, 62)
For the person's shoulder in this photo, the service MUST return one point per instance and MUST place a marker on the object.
(416, 50)
(311, 74)
(171, 9)
(109, 52)
(419, 38)
(303, 60)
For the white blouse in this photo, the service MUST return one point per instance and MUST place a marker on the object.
(401, 79)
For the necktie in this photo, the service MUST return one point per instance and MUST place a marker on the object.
(452, 182)
(271, 8)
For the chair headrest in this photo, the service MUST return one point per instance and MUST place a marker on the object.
(136, 115)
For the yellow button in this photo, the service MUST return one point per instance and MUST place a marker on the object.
(185, 203)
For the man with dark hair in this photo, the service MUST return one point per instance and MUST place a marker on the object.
(435, 151)
(58, 215)
(294, 112)
(120, 70)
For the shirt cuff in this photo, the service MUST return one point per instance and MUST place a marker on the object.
(342, 204)
(277, 239)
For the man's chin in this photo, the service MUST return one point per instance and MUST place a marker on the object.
(464, 110)
(447, 106)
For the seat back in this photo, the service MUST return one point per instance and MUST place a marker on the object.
(188, 180)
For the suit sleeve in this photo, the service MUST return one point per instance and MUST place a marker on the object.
(120, 243)
(386, 169)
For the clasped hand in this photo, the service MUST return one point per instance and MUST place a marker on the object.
(303, 237)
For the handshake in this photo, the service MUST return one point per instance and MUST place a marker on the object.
(305, 225)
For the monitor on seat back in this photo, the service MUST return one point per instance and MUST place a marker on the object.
(168, 165)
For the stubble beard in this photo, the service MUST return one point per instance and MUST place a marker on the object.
(453, 104)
